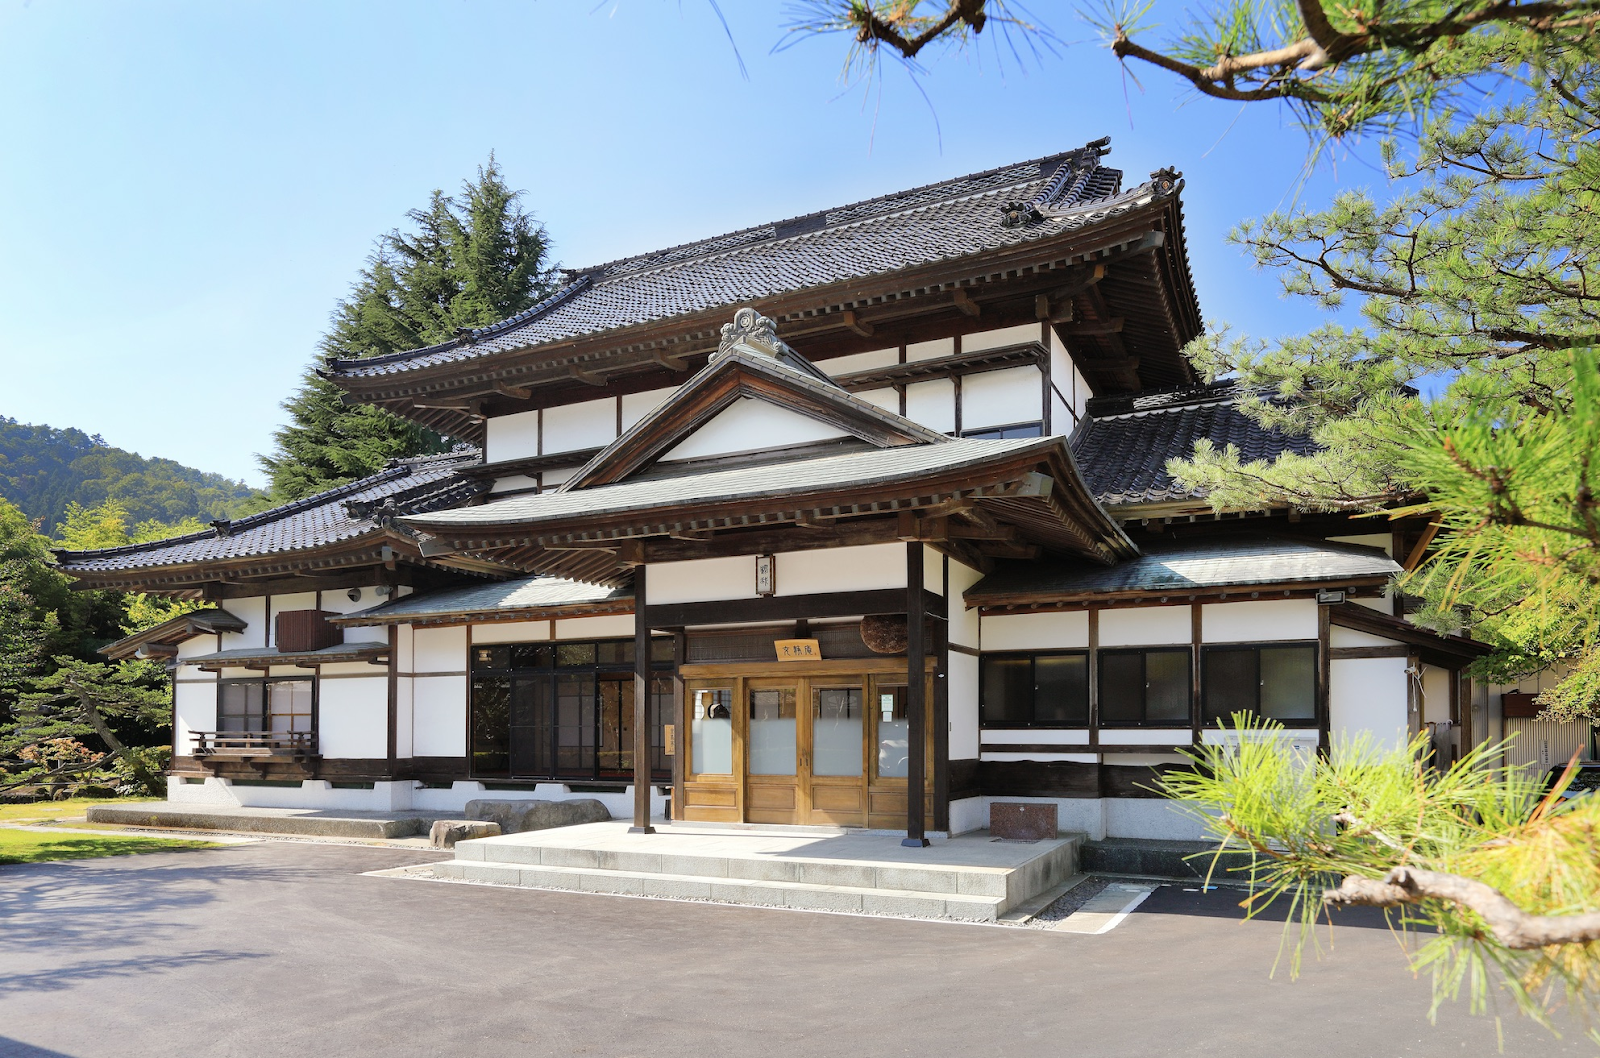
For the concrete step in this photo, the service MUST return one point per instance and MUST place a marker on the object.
(1009, 885)
(293, 821)
(754, 892)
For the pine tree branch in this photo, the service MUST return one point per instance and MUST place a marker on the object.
(1506, 922)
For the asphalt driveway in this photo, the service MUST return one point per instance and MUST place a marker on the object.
(284, 948)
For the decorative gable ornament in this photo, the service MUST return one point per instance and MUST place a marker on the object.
(749, 330)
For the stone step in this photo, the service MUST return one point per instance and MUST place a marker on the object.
(1009, 885)
(753, 892)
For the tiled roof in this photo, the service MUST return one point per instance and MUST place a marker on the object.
(644, 493)
(171, 632)
(256, 656)
(411, 486)
(1002, 207)
(1123, 444)
(509, 598)
(1188, 566)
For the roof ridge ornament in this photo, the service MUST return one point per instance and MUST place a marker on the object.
(749, 330)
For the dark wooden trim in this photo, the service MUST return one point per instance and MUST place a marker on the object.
(680, 720)
(530, 465)
(941, 710)
(392, 695)
(777, 608)
(1446, 652)
(964, 779)
(1038, 601)
(1094, 677)
(1399, 650)
(1000, 358)
(1196, 640)
(916, 699)
(958, 648)
(1325, 656)
(642, 673)
(1029, 778)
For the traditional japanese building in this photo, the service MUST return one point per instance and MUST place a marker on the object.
(859, 518)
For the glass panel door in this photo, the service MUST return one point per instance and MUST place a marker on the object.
(774, 734)
(711, 731)
(894, 732)
(836, 730)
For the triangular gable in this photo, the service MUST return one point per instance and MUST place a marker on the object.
(750, 364)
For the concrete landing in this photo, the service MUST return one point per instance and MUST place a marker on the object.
(306, 822)
(971, 878)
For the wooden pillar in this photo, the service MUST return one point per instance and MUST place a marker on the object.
(680, 722)
(641, 709)
(916, 700)
(941, 708)
(392, 698)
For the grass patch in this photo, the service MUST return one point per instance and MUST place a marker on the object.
(20, 846)
(72, 808)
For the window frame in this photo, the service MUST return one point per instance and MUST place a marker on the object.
(1315, 721)
(984, 724)
(598, 673)
(266, 699)
(1186, 649)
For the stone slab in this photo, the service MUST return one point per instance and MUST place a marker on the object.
(1023, 820)
(306, 823)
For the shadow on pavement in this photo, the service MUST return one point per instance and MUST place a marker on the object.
(1224, 903)
(10, 1048)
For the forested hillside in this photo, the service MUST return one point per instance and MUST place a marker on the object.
(43, 469)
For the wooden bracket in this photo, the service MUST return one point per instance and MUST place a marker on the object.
(965, 303)
(588, 377)
(671, 363)
(1090, 328)
(506, 389)
(859, 326)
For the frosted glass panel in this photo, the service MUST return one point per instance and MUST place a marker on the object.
(1289, 683)
(894, 734)
(836, 731)
(711, 733)
(772, 732)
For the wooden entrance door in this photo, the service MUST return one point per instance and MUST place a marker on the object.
(774, 746)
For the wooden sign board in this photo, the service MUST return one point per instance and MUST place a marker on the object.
(798, 650)
(669, 740)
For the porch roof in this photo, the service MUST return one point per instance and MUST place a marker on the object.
(162, 639)
(265, 657)
(525, 598)
(1030, 483)
(1178, 569)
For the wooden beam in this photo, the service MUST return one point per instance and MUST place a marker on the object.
(965, 303)
(505, 389)
(854, 323)
(642, 726)
(588, 377)
(916, 702)
(1098, 327)
(779, 608)
(671, 363)
(1041, 306)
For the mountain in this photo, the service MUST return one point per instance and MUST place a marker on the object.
(43, 469)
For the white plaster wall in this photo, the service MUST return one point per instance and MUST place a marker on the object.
(968, 814)
(405, 653)
(1067, 379)
(1349, 637)
(887, 399)
(747, 425)
(1000, 337)
(1000, 398)
(552, 478)
(511, 632)
(1145, 736)
(609, 627)
(962, 694)
(514, 483)
(439, 716)
(933, 404)
(933, 570)
(1368, 694)
(587, 424)
(1036, 631)
(1382, 541)
(844, 365)
(862, 568)
(193, 648)
(636, 406)
(196, 711)
(511, 436)
(338, 601)
(454, 800)
(1141, 626)
(701, 580)
(1061, 420)
(353, 717)
(963, 622)
(439, 649)
(404, 717)
(1261, 621)
(253, 612)
(930, 350)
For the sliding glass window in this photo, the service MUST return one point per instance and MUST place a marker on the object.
(1276, 681)
(1145, 687)
(1035, 690)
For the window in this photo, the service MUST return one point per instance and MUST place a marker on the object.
(996, 433)
(564, 710)
(1035, 690)
(1145, 687)
(278, 705)
(1277, 681)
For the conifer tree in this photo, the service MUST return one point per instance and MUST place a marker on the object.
(469, 260)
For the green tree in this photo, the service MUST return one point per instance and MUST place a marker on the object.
(468, 261)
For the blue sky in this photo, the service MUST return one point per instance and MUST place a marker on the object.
(187, 188)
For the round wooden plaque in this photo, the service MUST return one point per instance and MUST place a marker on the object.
(884, 633)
